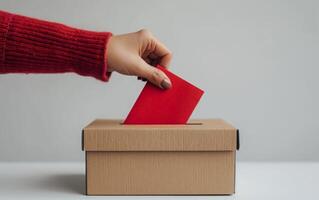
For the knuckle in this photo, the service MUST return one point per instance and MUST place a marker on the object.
(144, 33)
(170, 54)
(138, 70)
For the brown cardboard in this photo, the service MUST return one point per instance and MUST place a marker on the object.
(197, 158)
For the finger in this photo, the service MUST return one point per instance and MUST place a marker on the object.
(146, 54)
(153, 56)
(162, 52)
(154, 75)
(154, 63)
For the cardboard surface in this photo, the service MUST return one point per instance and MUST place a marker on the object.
(195, 158)
(158, 106)
(154, 173)
(199, 135)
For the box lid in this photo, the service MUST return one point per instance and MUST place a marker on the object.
(198, 135)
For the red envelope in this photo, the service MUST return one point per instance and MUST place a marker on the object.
(158, 106)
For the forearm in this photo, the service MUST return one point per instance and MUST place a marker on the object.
(30, 45)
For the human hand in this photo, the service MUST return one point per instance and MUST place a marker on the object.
(136, 54)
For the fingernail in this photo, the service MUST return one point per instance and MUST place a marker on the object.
(165, 84)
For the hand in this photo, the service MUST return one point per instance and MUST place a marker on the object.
(136, 54)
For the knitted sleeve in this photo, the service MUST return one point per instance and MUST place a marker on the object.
(30, 45)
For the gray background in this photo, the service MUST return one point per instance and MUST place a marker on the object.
(256, 60)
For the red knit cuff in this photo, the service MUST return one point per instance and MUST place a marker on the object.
(5, 19)
(37, 46)
(97, 66)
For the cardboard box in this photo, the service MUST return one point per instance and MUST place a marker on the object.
(194, 159)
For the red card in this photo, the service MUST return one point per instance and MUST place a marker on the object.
(158, 106)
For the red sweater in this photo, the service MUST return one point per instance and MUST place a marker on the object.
(30, 45)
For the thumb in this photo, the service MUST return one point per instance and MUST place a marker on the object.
(154, 75)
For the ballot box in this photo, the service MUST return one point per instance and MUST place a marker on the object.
(198, 158)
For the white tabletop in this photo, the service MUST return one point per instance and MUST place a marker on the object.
(289, 180)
